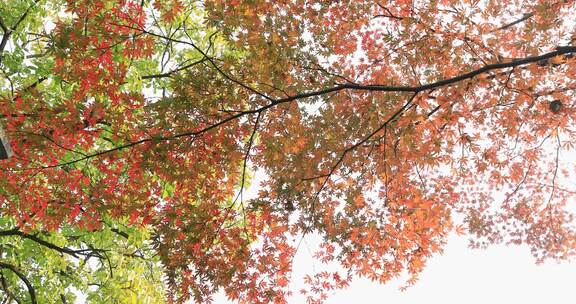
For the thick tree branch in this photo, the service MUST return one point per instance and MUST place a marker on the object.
(10, 295)
(72, 252)
(24, 279)
(3, 26)
(3, 42)
(564, 50)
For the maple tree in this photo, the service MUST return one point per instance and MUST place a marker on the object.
(380, 126)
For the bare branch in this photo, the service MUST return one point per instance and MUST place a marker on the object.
(511, 24)
(210, 59)
(72, 252)
(170, 73)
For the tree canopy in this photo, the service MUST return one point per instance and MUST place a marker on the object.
(379, 126)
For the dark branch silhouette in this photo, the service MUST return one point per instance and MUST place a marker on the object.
(24, 279)
(563, 50)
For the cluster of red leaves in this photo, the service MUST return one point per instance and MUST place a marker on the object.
(92, 52)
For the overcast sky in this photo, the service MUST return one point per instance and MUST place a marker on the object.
(499, 274)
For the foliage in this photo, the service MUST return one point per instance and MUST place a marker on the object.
(112, 265)
(380, 126)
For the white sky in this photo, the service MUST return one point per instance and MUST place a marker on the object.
(499, 274)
